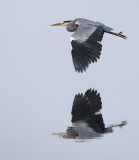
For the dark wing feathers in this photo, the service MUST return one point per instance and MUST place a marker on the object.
(81, 108)
(85, 108)
(96, 123)
(95, 100)
(86, 105)
(80, 56)
(99, 120)
(85, 45)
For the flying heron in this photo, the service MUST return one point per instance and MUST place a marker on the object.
(85, 41)
(87, 121)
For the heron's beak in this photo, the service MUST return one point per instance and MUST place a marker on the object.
(60, 24)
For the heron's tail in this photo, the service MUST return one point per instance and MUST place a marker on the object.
(107, 29)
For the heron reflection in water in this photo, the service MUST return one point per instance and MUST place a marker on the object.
(85, 41)
(87, 121)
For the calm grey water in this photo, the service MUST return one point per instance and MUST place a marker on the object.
(38, 81)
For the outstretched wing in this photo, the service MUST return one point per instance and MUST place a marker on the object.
(85, 106)
(95, 100)
(81, 108)
(85, 45)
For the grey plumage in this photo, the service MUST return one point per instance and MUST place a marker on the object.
(85, 41)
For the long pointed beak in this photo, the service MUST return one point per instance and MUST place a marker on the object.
(57, 24)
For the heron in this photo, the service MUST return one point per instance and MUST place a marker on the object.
(85, 41)
(87, 121)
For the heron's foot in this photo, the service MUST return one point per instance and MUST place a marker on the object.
(123, 124)
(121, 35)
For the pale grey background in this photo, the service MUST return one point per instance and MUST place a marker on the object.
(38, 81)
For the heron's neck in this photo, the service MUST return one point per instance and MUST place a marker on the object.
(71, 27)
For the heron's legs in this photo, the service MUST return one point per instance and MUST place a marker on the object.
(117, 34)
(119, 125)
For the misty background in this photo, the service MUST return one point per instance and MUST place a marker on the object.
(38, 81)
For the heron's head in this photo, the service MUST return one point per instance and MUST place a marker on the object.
(62, 24)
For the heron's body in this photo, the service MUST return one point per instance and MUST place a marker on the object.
(85, 41)
(73, 25)
(87, 122)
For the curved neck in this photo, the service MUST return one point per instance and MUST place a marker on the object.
(71, 27)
